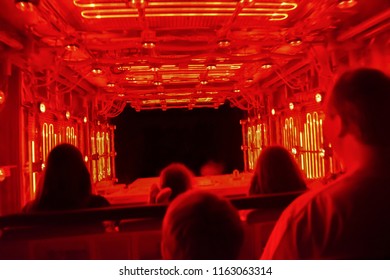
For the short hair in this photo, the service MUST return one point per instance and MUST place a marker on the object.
(66, 182)
(276, 171)
(199, 225)
(361, 98)
(177, 177)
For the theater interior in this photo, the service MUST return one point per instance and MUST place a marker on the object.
(70, 68)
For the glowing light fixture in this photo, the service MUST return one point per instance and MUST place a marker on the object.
(2, 97)
(223, 43)
(26, 5)
(2, 174)
(43, 166)
(110, 85)
(86, 158)
(294, 151)
(274, 11)
(291, 106)
(295, 42)
(346, 4)
(266, 66)
(139, 4)
(71, 47)
(97, 71)
(318, 97)
(67, 115)
(148, 45)
(42, 107)
(273, 112)
(121, 95)
(237, 90)
(211, 67)
(85, 119)
(203, 82)
(157, 83)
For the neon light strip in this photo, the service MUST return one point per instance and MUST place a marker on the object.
(51, 138)
(44, 140)
(34, 176)
(284, 6)
(108, 14)
(322, 146)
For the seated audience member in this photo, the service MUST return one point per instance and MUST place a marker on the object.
(211, 168)
(198, 226)
(347, 219)
(175, 179)
(65, 184)
(276, 171)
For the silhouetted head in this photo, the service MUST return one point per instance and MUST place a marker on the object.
(177, 177)
(199, 225)
(66, 181)
(359, 106)
(276, 171)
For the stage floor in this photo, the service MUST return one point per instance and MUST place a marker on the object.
(225, 185)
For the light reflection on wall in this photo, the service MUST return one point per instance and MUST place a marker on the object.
(302, 135)
(102, 163)
(313, 145)
(256, 139)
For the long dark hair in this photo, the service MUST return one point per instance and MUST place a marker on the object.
(276, 171)
(66, 182)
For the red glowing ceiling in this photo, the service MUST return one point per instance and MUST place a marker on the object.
(162, 54)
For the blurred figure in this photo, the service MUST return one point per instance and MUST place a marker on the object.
(211, 168)
(348, 219)
(175, 179)
(65, 184)
(199, 226)
(276, 171)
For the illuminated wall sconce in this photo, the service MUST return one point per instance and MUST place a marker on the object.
(2, 97)
(273, 112)
(43, 166)
(67, 115)
(294, 151)
(318, 97)
(85, 119)
(203, 82)
(110, 85)
(291, 106)
(86, 158)
(26, 5)
(42, 107)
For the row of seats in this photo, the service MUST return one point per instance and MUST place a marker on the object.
(127, 233)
